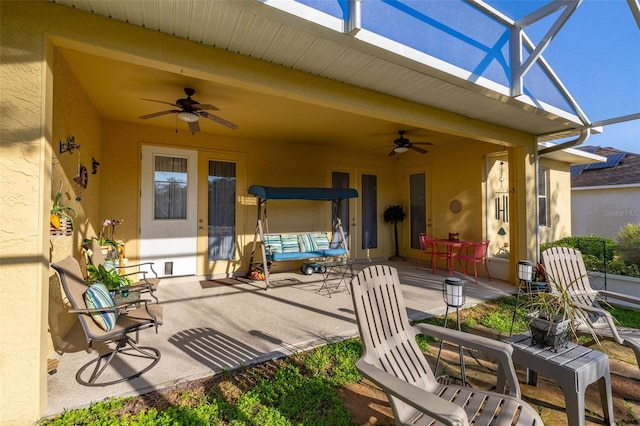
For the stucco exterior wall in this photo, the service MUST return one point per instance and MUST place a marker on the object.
(559, 201)
(24, 186)
(603, 211)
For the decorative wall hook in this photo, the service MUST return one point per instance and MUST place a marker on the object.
(69, 146)
(94, 166)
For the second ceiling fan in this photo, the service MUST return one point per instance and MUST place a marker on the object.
(403, 144)
(190, 111)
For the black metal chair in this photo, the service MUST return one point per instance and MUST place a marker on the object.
(131, 318)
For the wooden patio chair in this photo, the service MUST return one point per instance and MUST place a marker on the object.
(109, 323)
(393, 361)
(146, 284)
(565, 266)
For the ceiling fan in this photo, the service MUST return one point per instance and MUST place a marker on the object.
(403, 145)
(190, 111)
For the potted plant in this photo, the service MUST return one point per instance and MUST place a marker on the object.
(554, 315)
(61, 217)
(106, 238)
(395, 214)
(107, 276)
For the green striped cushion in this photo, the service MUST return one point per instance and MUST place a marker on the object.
(98, 296)
(307, 242)
(274, 241)
(322, 241)
(290, 243)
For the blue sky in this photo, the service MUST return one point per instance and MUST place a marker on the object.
(597, 57)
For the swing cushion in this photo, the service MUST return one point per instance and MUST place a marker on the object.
(322, 241)
(274, 242)
(290, 243)
(300, 246)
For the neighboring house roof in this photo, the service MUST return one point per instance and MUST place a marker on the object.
(621, 168)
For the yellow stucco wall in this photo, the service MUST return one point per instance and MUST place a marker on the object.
(559, 199)
(43, 103)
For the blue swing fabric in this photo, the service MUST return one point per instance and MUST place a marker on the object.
(302, 193)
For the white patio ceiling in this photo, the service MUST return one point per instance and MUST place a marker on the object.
(257, 30)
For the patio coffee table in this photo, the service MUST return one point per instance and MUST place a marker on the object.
(573, 367)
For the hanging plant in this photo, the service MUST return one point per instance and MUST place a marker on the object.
(61, 216)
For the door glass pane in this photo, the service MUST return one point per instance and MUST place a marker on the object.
(222, 211)
(369, 211)
(170, 187)
(418, 211)
(341, 180)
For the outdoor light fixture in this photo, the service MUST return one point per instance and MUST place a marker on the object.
(454, 293)
(188, 117)
(525, 275)
(525, 270)
(400, 149)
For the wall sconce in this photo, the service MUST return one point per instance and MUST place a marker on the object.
(69, 146)
(94, 166)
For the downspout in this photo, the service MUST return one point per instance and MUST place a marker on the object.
(584, 135)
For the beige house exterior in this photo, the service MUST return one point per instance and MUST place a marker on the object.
(59, 67)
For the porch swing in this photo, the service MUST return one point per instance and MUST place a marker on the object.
(314, 246)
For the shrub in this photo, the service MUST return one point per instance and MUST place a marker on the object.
(588, 245)
(628, 247)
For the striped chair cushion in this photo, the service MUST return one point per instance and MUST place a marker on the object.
(290, 243)
(322, 241)
(98, 296)
(274, 242)
(307, 243)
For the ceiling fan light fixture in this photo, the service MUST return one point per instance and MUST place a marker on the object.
(401, 149)
(188, 117)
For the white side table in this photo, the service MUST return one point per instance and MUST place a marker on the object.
(573, 367)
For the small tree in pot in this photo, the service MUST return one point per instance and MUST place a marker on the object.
(395, 214)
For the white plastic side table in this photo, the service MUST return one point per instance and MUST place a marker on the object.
(573, 367)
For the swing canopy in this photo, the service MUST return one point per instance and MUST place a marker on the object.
(301, 193)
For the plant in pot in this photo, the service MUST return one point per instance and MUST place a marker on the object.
(107, 276)
(61, 214)
(554, 315)
(106, 238)
(395, 214)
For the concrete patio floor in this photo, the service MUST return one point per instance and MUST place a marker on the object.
(216, 325)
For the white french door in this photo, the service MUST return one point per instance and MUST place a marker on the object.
(168, 210)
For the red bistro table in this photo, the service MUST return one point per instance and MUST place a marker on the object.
(448, 249)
